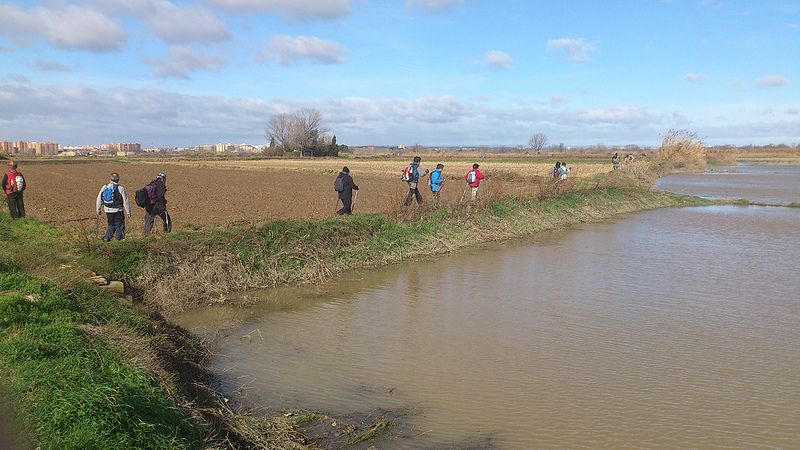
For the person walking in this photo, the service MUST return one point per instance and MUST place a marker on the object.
(14, 185)
(156, 193)
(345, 186)
(114, 200)
(556, 171)
(436, 180)
(615, 161)
(563, 171)
(474, 178)
(411, 175)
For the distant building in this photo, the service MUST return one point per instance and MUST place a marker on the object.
(6, 147)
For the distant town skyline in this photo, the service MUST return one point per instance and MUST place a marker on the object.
(404, 72)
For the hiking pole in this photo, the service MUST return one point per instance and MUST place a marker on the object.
(463, 194)
(336, 205)
(353, 206)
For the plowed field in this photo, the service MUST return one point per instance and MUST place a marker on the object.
(220, 192)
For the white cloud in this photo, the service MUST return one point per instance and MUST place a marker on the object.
(572, 49)
(497, 59)
(772, 81)
(182, 61)
(51, 66)
(65, 26)
(694, 76)
(290, 9)
(175, 24)
(433, 5)
(792, 111)
(290, 50)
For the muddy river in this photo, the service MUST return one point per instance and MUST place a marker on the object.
(668, 328)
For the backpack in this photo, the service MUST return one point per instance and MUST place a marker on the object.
(471, 176)
(338, 185)
(142, 199)
(407, 173)
(17, 183)
(112, 198)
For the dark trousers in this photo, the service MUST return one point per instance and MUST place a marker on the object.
(116, 226)
(150, 218)
(16, 206)
(347, 207)
(412, 193)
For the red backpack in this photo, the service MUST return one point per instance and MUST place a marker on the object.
(407, 173)
(16, 182)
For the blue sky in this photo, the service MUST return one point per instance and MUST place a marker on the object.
(433, 72)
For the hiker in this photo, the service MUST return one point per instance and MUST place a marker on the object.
(411, 176)
(436, 180)
(629, 158)
(157, 206)
(474, 178)
(114, 200)
(563, 171)
(345, 186)
(615, 162)
(556, 171)
(14, 185)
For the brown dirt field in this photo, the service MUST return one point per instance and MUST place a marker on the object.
(221, 192)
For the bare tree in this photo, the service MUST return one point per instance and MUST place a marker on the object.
(537, 142)
(278, 129)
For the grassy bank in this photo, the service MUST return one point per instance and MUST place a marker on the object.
(179, 271)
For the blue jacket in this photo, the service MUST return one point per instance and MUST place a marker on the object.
(436, 180)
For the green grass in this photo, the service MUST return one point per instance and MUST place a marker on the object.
(74, 389)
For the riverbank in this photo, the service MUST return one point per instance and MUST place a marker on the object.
(89, 368)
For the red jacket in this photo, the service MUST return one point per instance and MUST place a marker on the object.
(478, 178)
(8, 178)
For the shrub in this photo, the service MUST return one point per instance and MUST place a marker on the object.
(683, 150)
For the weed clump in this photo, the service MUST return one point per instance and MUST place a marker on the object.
(682, 149)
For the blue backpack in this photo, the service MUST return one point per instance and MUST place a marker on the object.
(111, 197)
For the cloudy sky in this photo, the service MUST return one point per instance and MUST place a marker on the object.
(433, 72)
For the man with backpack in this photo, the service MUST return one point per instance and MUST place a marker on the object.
(411, 176)
(345, 186)
(474, 178)
(13, 185)
(114, 200)
(436, 180)
(156, 203)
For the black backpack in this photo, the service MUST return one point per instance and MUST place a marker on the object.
(338, 185)
(142, 199)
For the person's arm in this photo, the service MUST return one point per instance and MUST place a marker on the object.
(478, 175)
(99, 202)
(5, 180)
(125, 205)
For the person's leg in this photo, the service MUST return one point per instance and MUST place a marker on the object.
(12, 206)
(111, 226)
(149, 218)
(167, 221)
(120, 225)
(20, 205)
(418, 195)
(474, 193)
(347, 206)
(409, 197)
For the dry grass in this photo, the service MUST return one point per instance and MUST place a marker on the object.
(683, 150)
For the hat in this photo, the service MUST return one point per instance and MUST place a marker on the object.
(114, 177)
(345, 169)
(475, 166)
(161, 175)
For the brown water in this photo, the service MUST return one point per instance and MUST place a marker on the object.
(669, 328)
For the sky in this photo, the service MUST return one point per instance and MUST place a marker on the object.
(428, 72)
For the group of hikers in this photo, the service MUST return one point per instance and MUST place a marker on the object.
(412, 173)
(615, 160)
(112, 199)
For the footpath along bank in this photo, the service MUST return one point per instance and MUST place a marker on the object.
(91, 370)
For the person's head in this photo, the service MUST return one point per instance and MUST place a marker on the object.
(417, 159)
(12, 164)
(558, 163)
(161, 176)
(440, 166)
(475, 166)
(115, 177)
(345, 169)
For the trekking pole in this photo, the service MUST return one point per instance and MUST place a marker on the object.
(353, 206)
(336, 205)
(460, 201)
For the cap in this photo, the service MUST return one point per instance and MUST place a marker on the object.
(115, 177)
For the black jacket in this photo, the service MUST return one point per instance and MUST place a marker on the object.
(349, 185)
